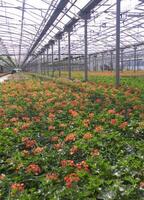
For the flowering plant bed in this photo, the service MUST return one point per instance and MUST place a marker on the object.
(71, 140)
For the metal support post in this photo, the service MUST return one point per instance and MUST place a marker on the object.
(118, 9)
(41, 63)
(52, 62)
(111, 61)
(95, 58)
(89, 61)
(86, 49)
(135, 58)
(44, 63)
(59, 56)
(69, 54)
(47, 62)
(102, 62)
(122, 63)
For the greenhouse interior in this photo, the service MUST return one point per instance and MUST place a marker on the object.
(72, 99)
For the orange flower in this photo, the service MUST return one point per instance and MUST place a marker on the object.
(86, 123)
(58, 146)
(98, 101)
(91, 115)
(52, 176)
(64, 104)
(70, 178)
(74, 103)
(65, 163)
(82, 165)
(95, 152)
(112, 111)
(18, 187)
(38, 150)
(123, 125)
(26, 119)
(51, 128)
(25, 126)
(73, 113)
(36, 119)
(54, 138)
(14, 119)
(28, 142)
(51, 115)
(33, 168)
(73, 150)
(87, 136)
(15, 130)
(62, 125)
(70, 137)
(98, 129)
(113, 121)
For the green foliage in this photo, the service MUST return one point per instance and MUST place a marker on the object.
(83, 140)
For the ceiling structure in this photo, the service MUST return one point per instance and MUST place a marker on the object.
(26, 26)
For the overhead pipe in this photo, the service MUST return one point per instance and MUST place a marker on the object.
(54, 16)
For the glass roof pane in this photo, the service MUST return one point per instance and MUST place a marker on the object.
(22, 22)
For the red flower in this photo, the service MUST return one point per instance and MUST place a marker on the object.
(74, 103)
(14, 119)
(33, 168)
(86, 123)
(65, 163)
(73, 113)
(113, 121)
(38, 150)
(52, 176)
(51, 128)
(123, 125)
(112, 111)
(82, 165)
(70, 178)
(54, 138)
(95, 152)
(73, 150)
(28, 142)
(87, 136)
(99, 128)
(51, 116)
(70, 137)
(18, 187)
(58, 146)
(98, 100)
(25, 126)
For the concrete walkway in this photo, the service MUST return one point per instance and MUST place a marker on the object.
(4, 78)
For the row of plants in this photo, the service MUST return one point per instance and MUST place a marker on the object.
(65, 140)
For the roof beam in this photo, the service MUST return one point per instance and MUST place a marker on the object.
(54, 16)
(21, 35)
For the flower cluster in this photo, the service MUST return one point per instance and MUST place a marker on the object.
(70, 178)
(18, 187)
(33, 168)
(65, 139)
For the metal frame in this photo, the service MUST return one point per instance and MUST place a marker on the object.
(26, 27)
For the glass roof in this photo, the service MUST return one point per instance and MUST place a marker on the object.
(22, 22)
